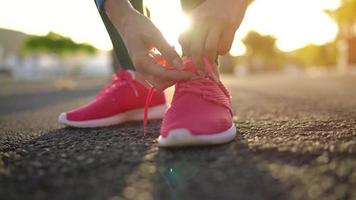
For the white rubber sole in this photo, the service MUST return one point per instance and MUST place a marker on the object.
(155, 112)
(183, 137)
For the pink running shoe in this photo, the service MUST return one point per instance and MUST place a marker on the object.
(200, 113)
(122, 100)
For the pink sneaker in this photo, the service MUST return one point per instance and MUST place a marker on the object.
(200, 114)
(122, 100)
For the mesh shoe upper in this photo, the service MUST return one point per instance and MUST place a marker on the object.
(202, 106)
(122, 94)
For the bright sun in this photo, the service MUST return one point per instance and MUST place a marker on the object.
(169, 18)
(294, 23)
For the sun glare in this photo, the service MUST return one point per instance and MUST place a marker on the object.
(169, 18)
(294, 23)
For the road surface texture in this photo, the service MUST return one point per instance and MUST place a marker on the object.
(296, 140)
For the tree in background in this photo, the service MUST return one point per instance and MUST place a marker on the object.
(55, 44)
(316, 55)
(262, 51)
(345, 17)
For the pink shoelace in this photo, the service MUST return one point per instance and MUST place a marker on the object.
(207, 87)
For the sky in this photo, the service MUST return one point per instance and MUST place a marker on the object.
(295, 23)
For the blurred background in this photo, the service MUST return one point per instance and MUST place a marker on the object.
(65, 40)
(291, 72)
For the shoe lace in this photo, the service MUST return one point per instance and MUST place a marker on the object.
(119, 79)
(208, 87)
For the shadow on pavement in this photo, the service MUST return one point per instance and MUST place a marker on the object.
(227, 171)
(22, 102)
(71, 163)
(223, 172)
(119, 163)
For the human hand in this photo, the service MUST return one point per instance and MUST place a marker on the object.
(214, 24)
(140, 37)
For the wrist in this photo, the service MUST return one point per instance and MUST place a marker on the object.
(119, 11)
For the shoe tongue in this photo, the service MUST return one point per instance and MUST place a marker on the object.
(132, 74)
(189, 65)
(125, 73)
(208, 67)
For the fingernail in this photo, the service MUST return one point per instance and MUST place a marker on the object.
(177, 63)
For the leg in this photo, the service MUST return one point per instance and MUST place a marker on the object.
(120, 52)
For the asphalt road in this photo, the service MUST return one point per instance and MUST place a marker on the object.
(296, 140)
